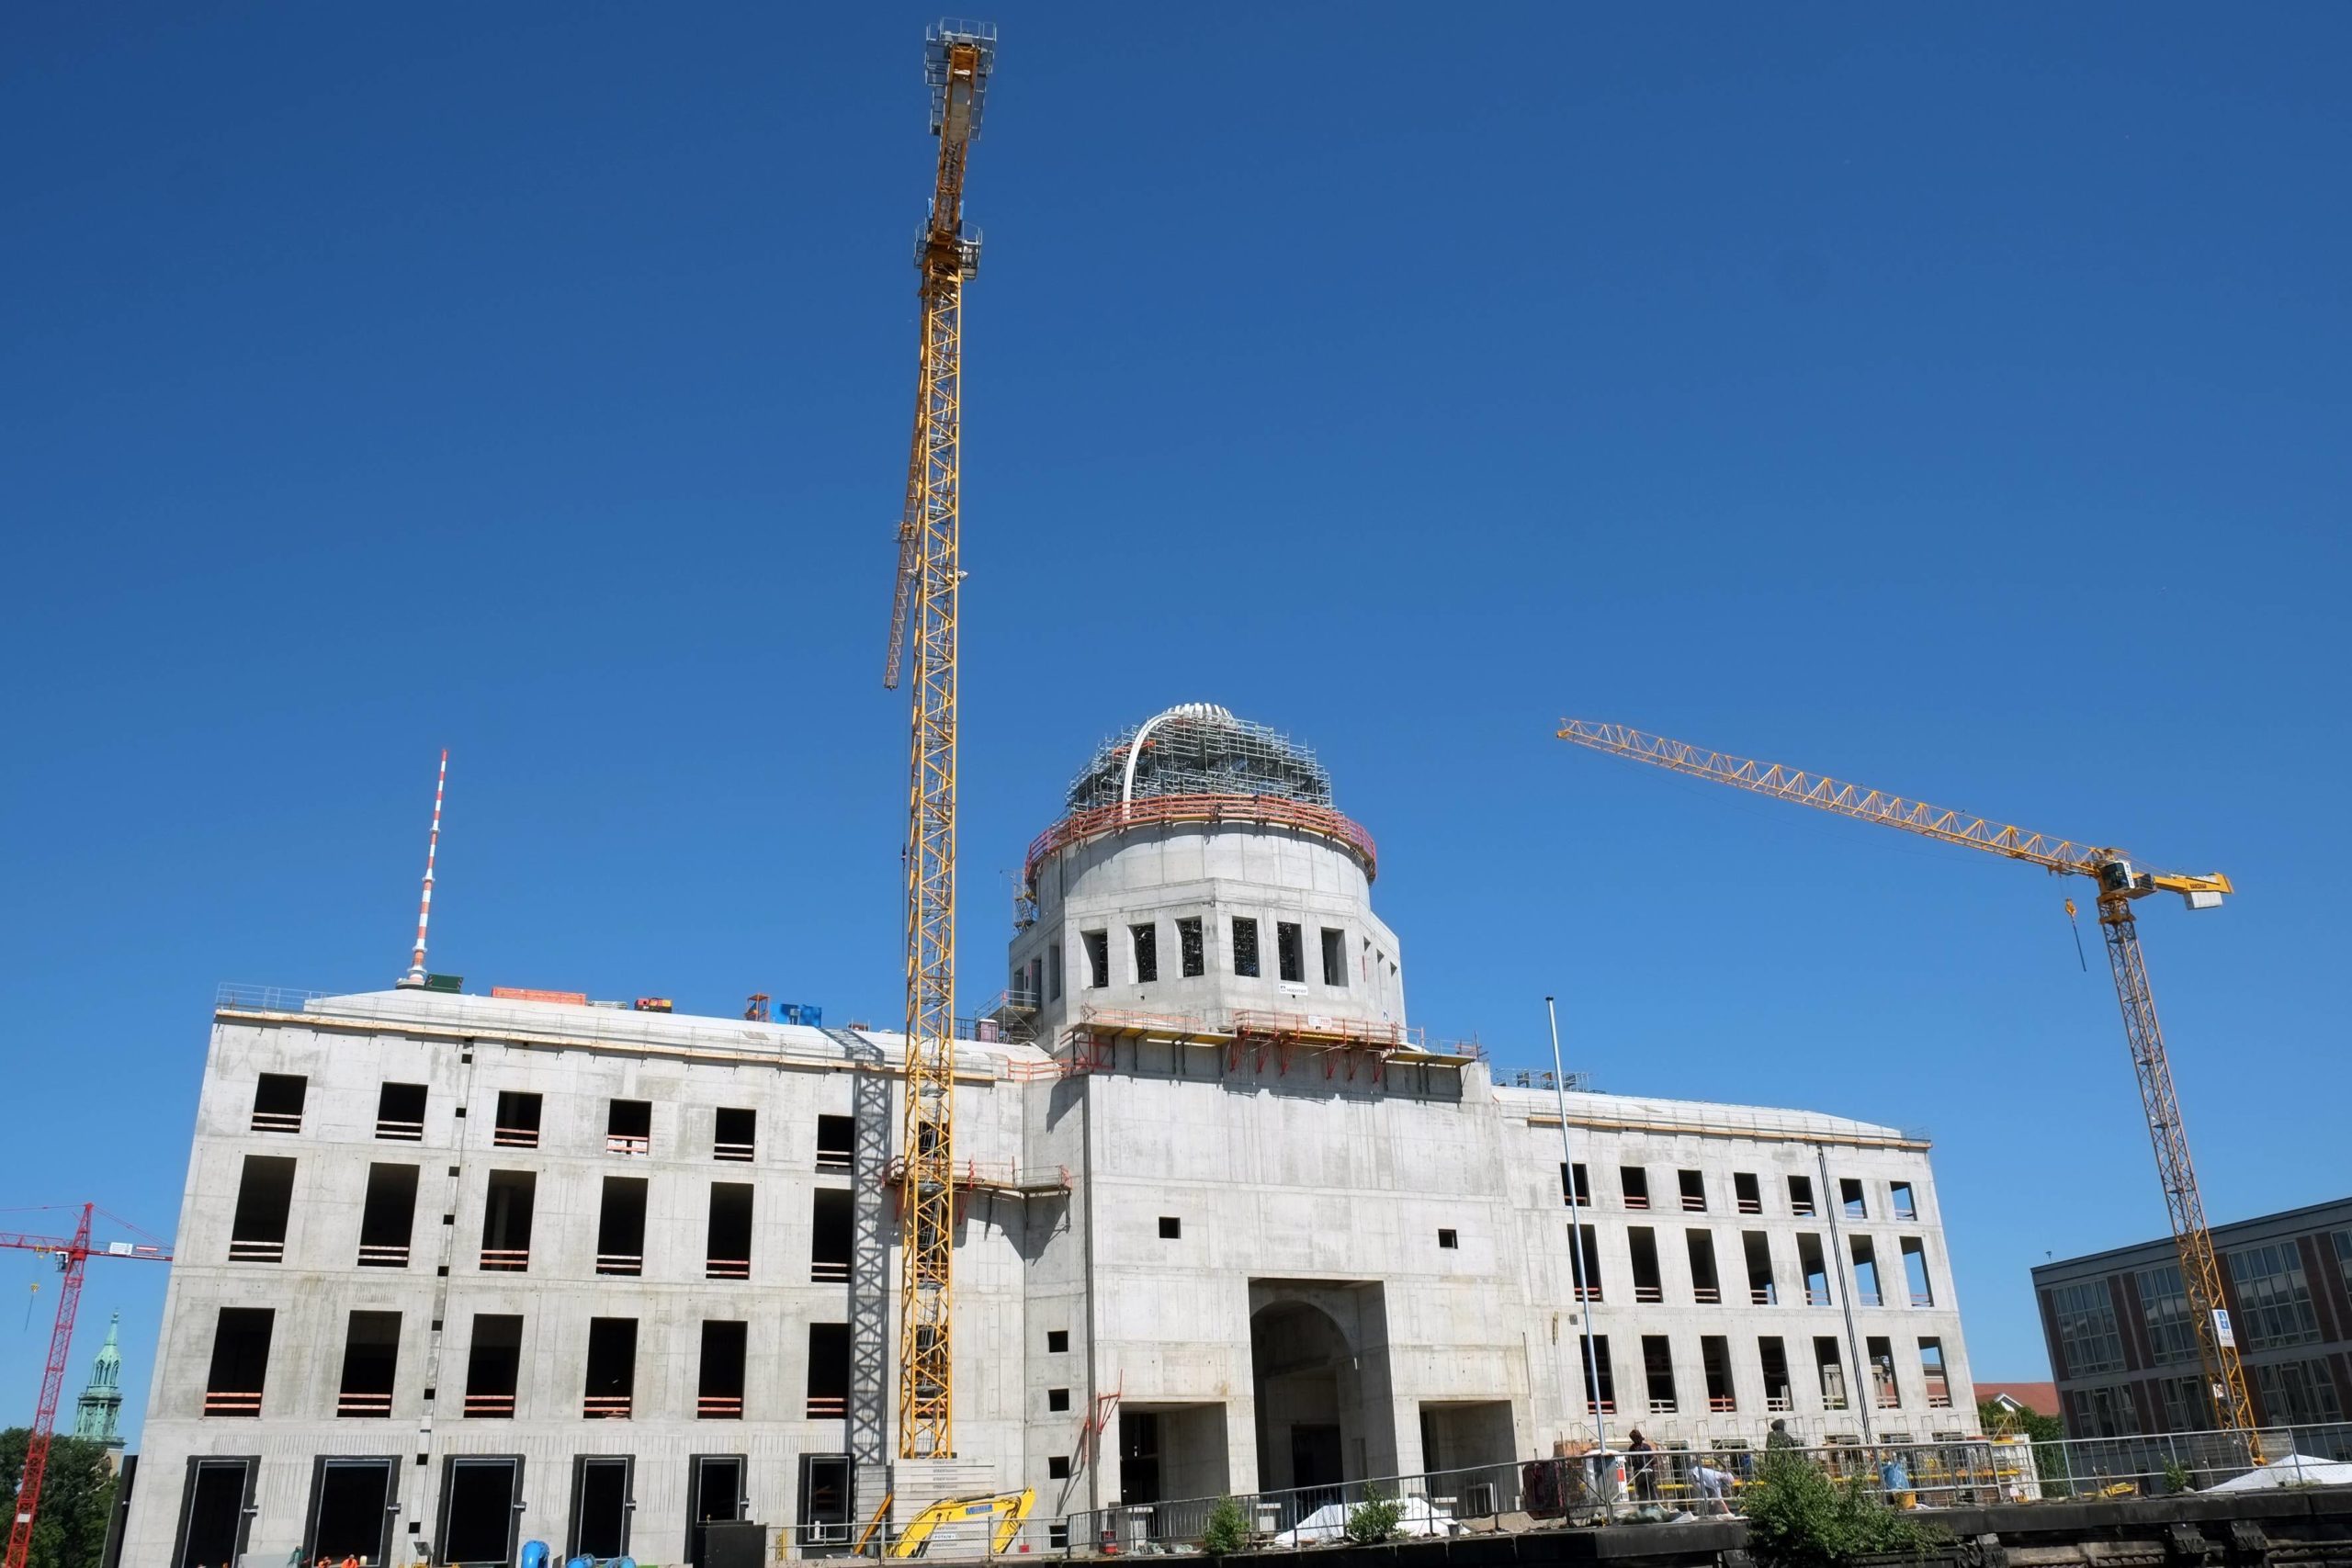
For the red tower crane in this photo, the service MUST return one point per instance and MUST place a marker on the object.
(70, 1253)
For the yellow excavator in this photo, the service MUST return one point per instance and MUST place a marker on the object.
(1009, 1509)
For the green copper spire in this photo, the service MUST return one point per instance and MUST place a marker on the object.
(97, 1411)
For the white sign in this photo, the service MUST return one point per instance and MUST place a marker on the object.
(2222, 1334)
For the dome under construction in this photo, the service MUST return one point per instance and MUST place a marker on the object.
(1199, 749)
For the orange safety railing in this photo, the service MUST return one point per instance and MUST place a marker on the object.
(1586, 1292)
(1171, 811)
(727, 1268)
(1817, 1295)
(730, 1150)
(1750, 1205)
(824, 1272)
(1314, 1029)
(827, 1407)
(219, 1402)
(505, 1259)
(1706, 1295)
(348, 1404)
(399, 1132)
(1867, 1298)
(516, 1138)
(1648, 1294)
(1638, 1199)
(1693, 1205)
(1604, 1408)
(605, 1406)
(1764, 1297)
(718, 1407)
(383, 1257)
(625, 1265)
(836, 1159)
(256, 1251)
(1662, 1407)
(277, 1121)
(490, 1407)
(624, 1143)
(1722, 1402)
(1003, 1175)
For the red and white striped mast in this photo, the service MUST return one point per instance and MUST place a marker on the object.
(415, 976)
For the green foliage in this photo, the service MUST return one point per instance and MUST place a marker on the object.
(1798, 1517)
(2041, 1428)
(1227, 1531)
(2177, 1477)
(1374, 1520)
(76, 1495)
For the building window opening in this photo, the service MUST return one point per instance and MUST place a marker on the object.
(1574, 1190)
(1866, 1291)
(1245, 947)
(609, 1388)
(1054, 972)
(1831, 1371)
(1633, 1182)
(1706, 1289)
(351, 1513)
(1098, 958)
(1600, 1380)
(517, 1124)
(399, 1112)
(1170, 1227)
(1714, 1359)
(1057, 1536)
(1900, 1202)
(1931, 1373)
(717, 1491)
(2087, 1341)
(277, 1102)
(1057, 1467)
(836, 1143)
(1882, 1355)
(1335, 958)
(1649, 1289)
(1801, 1196)
(1585, 1255)
(480, 1510)
(1814, 1266)
(727, 1251)
(1694, 1187)
(264, 1199)
(1746, 1196)
(1772, 1356)
(1914, 1271)
(1657, 1373)
(1146, 939)
(233, 1384)
(828, 1371)
(1191, 958)
(506, 1221)
(718, 1387)
(620, 1227)
(371, 1355)
(213, 1521)
(1448, 1240)
(2274, 1296)
(734, 1134)
(628, 1127)
(388, 1216)
(601, 1506)
(493, 1361)
(829, 1231)
(1290, 951)
(1056, 1341)
(1849, 1195)
(1057, 1399)
(827, 1509)
(1761, 1291)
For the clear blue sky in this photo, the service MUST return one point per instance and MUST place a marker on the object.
(1951, 399)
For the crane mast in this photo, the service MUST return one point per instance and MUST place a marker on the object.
(2120, 883)
(957, 58)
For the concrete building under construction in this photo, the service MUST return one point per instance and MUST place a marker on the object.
(456, 1271)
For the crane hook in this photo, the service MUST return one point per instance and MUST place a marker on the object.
(2078, 938)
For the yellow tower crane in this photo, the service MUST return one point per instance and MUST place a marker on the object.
(2119, 881)
(958, 57)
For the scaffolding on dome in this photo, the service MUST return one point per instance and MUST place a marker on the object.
(1201, 748)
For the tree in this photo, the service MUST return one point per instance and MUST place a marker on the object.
(76, 1496)
(1227, 1531)
(1798, 1517)
(1997, 1417)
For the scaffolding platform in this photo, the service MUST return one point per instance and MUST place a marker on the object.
(998, 1177)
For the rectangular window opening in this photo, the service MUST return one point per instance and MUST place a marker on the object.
(620, 1227)
(1761, 1289)
(734, 1134)
(1693, 1187)
(1706, 1287)
(1191, 955)
(1850, 1196)
(828, 1392)
(1576, 1190)
(1657, 1373)
(371, 1354)
(1054, 972)
(1245, 947)
(1335, 958)
(1746, 1195)
(506, 1221)
(1290, 951)
(1146, 939)
(399, 1112)
(1098, 958)
(517, 1122)
(1866, 1291)
(1057, 1399)
(1714, 1360)
(628, 1127)
(1931, 1373)
(277, 1102)
(493, 1362)
(1801, 1196)
(1772, 1356)
(1056, 1341)
(240, 1366)
(719, 1386)
(264, 1199)
(1584, 1281)
(1914, 1271)
(1814, 1264)
(836, 1143)
(1634, 1184)
(388, 1216)
(1883, 1387)
(1600, 1379)
(727, 1252)
(1831, 1372)
(1448, 1240)
(1899, 1201)
(829, 1233)
(1170, 1227)
(1649, 1287)
(608, 1388)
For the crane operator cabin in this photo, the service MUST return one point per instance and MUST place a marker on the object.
(457, 1271)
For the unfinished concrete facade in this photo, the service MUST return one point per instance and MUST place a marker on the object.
(455, 1271)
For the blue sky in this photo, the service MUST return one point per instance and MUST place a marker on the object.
(1954, 401)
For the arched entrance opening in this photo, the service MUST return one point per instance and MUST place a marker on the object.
(1310, 1398)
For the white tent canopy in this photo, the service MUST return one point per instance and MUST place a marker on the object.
(2289, 1470)
(1329, 1523)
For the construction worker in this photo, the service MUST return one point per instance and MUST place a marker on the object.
(1779, 1436)
(1642, 1456)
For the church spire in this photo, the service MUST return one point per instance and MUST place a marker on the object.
(98, 1413)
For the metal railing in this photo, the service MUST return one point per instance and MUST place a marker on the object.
(219, 1402)
(718, 1407)
(264, 999)
(628, 1265)
(277, 1121)
(352, 1403)
(505, 1259)
(256, 1251)
(383, 1257)
(726, 1267)
(491, 1407)
(827, 1407)
(836, 1159)
(605, 1406)
(391, 1130)
(514, 1138)
(828, 1271)
(628, 1143)
(741, 1152)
